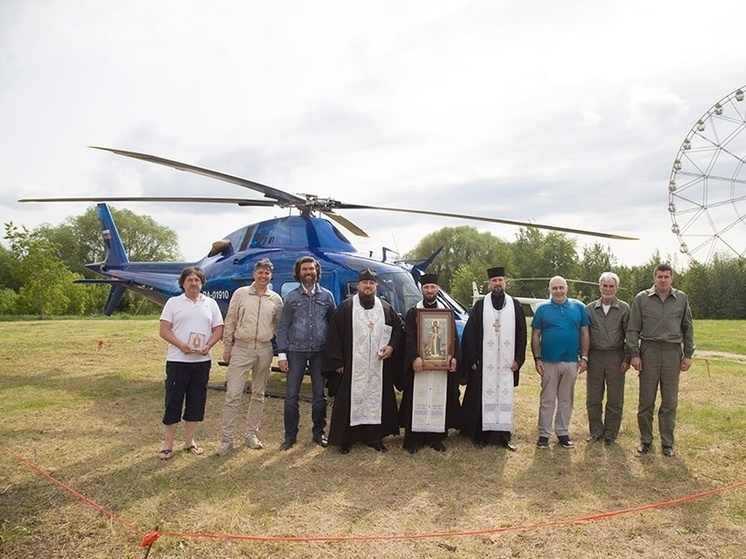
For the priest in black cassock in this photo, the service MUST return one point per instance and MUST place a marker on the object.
(430, 400)
(364, 333)
(493, 349)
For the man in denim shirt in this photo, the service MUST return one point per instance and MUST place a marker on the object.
(300, 343)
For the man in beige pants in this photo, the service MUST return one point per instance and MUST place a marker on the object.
(251, 322)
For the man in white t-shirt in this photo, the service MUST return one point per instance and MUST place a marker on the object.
(191, 323)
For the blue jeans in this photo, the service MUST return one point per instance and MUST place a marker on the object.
(297, 361)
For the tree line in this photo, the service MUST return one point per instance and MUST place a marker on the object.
(715, 289)
(38, 267)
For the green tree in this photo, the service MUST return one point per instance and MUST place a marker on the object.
(79, 239)
(8, 274)
(8, 301)
(540, 256)
(462, 245)
(716, 290)
(43, 275)
(596, 260)
(462, 281)
(699, 290)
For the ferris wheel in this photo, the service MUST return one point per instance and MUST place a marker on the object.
(707, 188)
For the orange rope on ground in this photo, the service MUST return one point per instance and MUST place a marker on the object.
(709, 362)
(80, 496)
(150, 537)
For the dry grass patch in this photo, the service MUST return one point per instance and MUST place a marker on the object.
(91, 418)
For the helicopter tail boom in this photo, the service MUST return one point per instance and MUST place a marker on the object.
(115, 253)
(115, 256)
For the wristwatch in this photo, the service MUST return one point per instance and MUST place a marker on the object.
(584, 358)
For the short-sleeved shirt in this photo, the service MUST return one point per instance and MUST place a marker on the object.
(188, 318)
(560, 329)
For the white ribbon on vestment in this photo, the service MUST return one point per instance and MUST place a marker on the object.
(498, 354)
(366, 391)
(429, 396)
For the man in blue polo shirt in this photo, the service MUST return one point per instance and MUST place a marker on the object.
(559, 336)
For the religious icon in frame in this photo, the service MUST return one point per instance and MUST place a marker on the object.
(196, 341)
(435, 329)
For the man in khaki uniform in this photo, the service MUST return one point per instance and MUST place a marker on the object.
(608, 361)
(251, 322)
(660, 323)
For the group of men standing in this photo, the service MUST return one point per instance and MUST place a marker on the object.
(655, 336)
(362, 352)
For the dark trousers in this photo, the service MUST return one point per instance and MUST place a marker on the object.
(661, 366)
(186, 387)
(604, 376)
(298, 361)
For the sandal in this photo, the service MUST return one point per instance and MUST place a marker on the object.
(165, 454)
(194, 449)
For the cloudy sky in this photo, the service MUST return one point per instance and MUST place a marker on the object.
(566, 113)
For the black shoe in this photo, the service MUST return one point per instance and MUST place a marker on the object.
(643, 448)
(287, 444)
(378, 446)
(321, 441)
(668, 451)
(592, 438)
(413, 449)
(509, 446)
(543, 442)
(439, 446)
(565, 441)
(608, 442)
(344, 449)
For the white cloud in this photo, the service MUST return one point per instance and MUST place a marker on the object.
(563, 113)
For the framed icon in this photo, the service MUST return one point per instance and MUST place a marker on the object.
(196, 341)
(435, 331)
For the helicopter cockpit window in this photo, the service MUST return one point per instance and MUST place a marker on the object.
(247, 237)
(263, 236)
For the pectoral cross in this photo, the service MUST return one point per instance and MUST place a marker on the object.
(371, 325)
(496, 325)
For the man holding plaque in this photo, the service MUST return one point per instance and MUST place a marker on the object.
(191, 323)
(430, 399)
(493, 351)
(363, 336)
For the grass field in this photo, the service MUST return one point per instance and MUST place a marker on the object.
(89, 416)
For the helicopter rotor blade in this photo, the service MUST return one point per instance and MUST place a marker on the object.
(491, 220)
(195, 199)
(282, 197)
(346, 223)
(305, 205)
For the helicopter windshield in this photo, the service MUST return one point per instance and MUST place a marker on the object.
(397, 288)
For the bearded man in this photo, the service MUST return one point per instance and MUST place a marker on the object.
(493, 351)
(363, 335)
(430, 399)
(301, 336)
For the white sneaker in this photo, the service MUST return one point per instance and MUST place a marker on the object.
(252, 441)
(224, 448)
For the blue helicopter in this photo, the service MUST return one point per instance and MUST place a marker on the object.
(229, 264)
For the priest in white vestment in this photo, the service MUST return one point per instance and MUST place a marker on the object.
(364, 345)
(493, 349)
